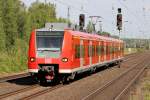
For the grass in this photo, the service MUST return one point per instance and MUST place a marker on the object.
(133, 50)
(15, 60)
(130, 50)
(146, 90)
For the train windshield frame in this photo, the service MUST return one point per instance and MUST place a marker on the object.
(49, 43)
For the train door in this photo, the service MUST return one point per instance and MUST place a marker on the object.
(93, 52)
(96, 52)
(99, 52)
(115, 46)
(76, 49)
(107, 51)
(105, 54)
(110, 50)
(82, 53)
(102, 51)
(90, 52)
(86, 46)
(119, 49)
(122, 48)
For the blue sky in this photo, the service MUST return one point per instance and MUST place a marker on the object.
(136, 14)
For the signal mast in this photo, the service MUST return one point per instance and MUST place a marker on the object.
(119, 21)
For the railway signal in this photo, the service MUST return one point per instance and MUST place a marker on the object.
(119, 19)
(81, 21)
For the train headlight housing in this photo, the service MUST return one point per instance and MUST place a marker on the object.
(64, 59)
(32, 59)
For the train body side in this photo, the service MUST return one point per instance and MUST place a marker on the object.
(79, 52)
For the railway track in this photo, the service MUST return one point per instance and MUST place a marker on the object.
(116, 88)
(2, 96)
(39, 93)
(127, 57)
(43, 91)
(4, 79)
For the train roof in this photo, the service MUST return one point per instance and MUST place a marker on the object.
(94, 36)
(47, 29)
(83, 35)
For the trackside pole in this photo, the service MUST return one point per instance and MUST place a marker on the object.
(119, 62)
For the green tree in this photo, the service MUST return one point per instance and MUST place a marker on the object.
(9, 22)
(90, 27)
(41, 13)
(2, 35)
(104, 33)
(21, 18)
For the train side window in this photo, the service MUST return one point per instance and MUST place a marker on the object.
(99, 50)
(77, 51)
(110, 49)
(89, 51)
(113, 49)
(93, 50)
(83, 51)
(107, 51)
(102, 49)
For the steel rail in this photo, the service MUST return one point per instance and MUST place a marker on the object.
(2, 96)
(110, 82)
(39, 93)
(130, 84)
(7, 78)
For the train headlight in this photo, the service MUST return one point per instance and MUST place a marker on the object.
(32, 59)
(64, 59)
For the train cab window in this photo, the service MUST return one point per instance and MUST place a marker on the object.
(77, 51)
(49, 39)
(49, 43)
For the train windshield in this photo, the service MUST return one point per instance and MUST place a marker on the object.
(49, 43)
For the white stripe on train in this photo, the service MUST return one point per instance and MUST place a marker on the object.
(83, 68)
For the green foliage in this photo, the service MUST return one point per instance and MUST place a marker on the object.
(90, 27)
(2, 35)
(16, 24)
(104, 33)
(16, 59)
(41, 13)
(9, 22)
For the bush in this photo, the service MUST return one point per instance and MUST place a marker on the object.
(14, 60)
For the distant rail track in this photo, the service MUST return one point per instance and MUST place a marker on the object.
(18, 91)
(50, 89)
(4, 79)
(117, 87)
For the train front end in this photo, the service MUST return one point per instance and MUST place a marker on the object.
(45, 49)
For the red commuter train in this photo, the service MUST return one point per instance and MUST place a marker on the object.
(60, 55)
